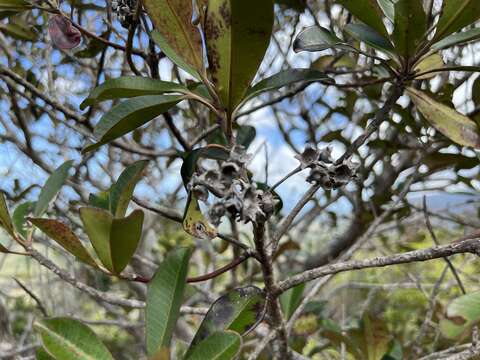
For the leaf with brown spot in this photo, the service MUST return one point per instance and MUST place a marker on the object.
(237, 34)
(449, 122)
(461, 314)
(173, 20)
(64, 236)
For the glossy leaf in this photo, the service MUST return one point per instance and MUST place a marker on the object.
(388, 8)
(285, 78)
(51, 188)
(448, 121)
(237, 35)
(291, 299)
(173, 19)
(240, 310)
(130, 86)
(434, 61)
(130, 115)
(5, 219)
(370, 37)
(222, 345)
(164, 298)
(122, 191)
(114, 240)
(64, 236)
(410, 26)
(455, 16)
(172, 55)
(194, 223)
(368, 12)
(317, 38)
(457, 39)
(69, 339)
(19, 217)
(461, 314)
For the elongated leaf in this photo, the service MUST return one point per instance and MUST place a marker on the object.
(173, 19)
(223, 345)
(51, 188)
(237, 35)
(122, 191)
(291, 299)
(130, 86)
(370, 37)
(129, 115)
(124, 238)
(164, 298)
(240, 310)
(69, 339)
(285, 78)
(455, 16)
(19, 31)
(434, 61)
(172, 55)
(410, 26)
(317, 38)
(194, 223)
(19, 217)
(461, 314)
(368, 12)
(388, 8)
(114, 240)
(457, 39)
(5, 219)
(64, 236)
(448, 121)
(14, 5)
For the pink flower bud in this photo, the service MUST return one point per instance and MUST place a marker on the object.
(62, 33)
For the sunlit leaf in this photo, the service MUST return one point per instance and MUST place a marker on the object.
(64, 236)
(237, 36)
(240, 310)
(434, 61)
(388, 8)
(368, 12)
(122, 191)
(455, 16)
(194, 223)
(317, 38)
(410, 26)
(51, 188)
(221, 345)
(129, 115)
(448, 121)
(457, 39)
(130, 86)
(164, 298)
(69, 339)
(461, 314)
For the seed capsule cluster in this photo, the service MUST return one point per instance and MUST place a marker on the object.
(124, 10)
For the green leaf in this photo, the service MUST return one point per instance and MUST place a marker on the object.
(368, 12)
(240, 310)
(122, 191)
(434, 61)
(461, 314)
(455, 16)
(237, 35)
(19, 217)
(189, 165)
(42, 354)
(285, 78)
(173, 20)
(457, 39)
(15, 5)
(100, 200)
(194, 223)
(388, 8)
(317, 38)
(5, 219)
(370, 37)
(223, 345)
(172, 55)
(164, 298)
(64, 236)
(291, 299)
(19, 31)
(69, 339)
(410, 26)
(130, 86)
(51, 188)
(130, 115)
(448, 121)
(245, 135)
(114, 240)
(94, 47)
